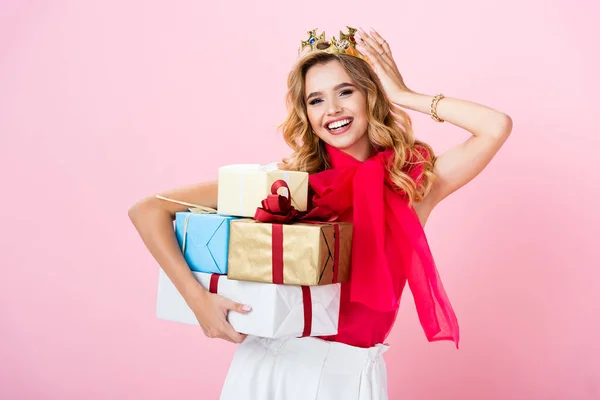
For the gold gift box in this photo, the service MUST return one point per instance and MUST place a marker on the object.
(242, 187)
(308, 252)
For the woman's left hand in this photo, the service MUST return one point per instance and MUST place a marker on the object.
(380, 57)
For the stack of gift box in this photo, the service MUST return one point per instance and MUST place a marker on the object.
(261, 248)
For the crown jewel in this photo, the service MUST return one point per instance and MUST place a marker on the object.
(345, 45)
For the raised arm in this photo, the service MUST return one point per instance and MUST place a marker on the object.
(460, 164)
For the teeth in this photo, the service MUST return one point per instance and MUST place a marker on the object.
(338, 124)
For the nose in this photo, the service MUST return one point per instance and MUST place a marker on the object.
(334, 108)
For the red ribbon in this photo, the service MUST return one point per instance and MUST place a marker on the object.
(277, 253)
(214, 283)
(336, 256)
(307, 304)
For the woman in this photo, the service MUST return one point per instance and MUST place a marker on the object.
(347, 129)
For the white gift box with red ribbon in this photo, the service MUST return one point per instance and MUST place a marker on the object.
(277, 310)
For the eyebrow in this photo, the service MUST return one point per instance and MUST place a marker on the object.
(337, 87)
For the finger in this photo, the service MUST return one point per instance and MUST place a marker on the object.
(377, 50)
(375, 60)
(237, 307)
(220, 335)
(227, 338)
(382, 42)
(367, 40)
(385, 46)
(236, 337)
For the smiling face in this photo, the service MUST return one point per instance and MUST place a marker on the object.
(337, 109)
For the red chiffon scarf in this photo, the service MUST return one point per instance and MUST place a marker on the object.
(388, 241)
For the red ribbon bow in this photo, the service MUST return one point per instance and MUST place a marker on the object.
(277, 208)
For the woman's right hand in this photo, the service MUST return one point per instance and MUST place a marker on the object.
(211, 312)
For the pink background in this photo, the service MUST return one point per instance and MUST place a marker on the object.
(103, 103)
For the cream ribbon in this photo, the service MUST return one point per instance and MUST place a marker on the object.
(194, 209)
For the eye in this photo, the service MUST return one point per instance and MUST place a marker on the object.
(314, 101)
(345, 92)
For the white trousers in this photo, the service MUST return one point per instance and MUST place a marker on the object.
(305, 369)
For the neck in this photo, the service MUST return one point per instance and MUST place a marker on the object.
(361, 150)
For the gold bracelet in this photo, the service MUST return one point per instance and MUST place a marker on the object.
(433, 108)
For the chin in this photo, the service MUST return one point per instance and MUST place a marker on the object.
(342, 144)
(345, 141)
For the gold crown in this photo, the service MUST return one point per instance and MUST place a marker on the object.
(345, 45)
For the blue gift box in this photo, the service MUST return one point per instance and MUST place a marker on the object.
(204, 240)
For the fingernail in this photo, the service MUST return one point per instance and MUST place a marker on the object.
(246, 307)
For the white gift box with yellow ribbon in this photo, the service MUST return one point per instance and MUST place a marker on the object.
(242, 187)
(277, 310)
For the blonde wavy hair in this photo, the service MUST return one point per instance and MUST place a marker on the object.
(389, 127)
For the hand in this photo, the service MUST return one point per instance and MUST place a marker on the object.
(380, 57)
(211, 312)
